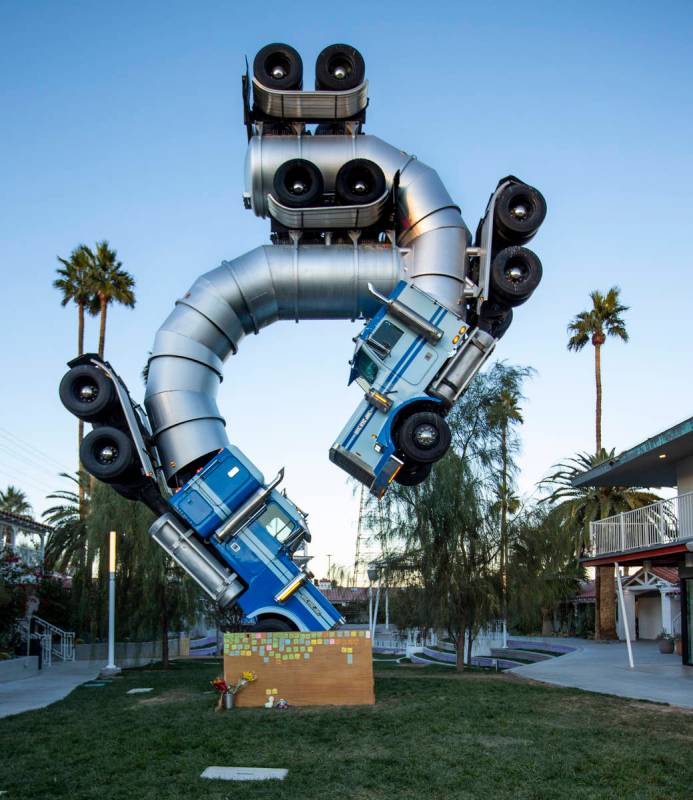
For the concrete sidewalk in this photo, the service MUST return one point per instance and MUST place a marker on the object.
(51, 684)
(603, 667)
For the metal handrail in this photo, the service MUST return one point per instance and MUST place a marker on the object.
(64, 650)
(657, 524)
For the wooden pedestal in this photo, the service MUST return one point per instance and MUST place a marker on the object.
(305, 669)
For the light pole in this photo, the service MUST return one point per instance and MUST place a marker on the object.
(111, 668)
(329, 567)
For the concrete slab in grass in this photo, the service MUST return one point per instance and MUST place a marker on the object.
(245, 774)
(141, 690)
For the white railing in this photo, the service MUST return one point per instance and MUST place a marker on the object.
(657, 524)
(55, 642)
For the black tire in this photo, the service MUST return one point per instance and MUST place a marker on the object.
(424, 437)
(89, 394)
(359, 182)
(520, 209)
(413, 474)
(294, 174)
(495, 318)
(339, 67)
(272, 625)
(515, 274)
(278, 66)
(108, 454)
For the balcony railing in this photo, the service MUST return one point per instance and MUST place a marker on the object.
(662, 523)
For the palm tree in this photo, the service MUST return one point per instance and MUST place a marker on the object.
(602, 320)
(14, 501)
(578, 506)
(503, 412)
(110, 283)
(74, 281)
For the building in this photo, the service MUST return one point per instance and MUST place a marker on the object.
(656, 539)
(24, 536)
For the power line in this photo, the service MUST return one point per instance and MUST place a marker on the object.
(38, 451)
(25, 459)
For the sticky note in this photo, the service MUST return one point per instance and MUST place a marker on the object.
(350, 659)
(266, 659)
(306, 655)
(268, 691)
(274, 691)
(310, 649)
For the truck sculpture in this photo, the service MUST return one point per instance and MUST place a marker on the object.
(359, 230)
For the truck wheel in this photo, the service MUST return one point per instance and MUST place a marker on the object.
(88, 393)
(338, 68)
(495, 318)
(278, 66)
(515, 274)
(108, 454)
(520, 209)
(298, 184)
(359, 182)
(272, 624)
(424, 437)
(413, 474)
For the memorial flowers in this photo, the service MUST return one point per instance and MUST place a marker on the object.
(227, 691)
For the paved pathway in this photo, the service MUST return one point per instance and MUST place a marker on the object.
(603, 667)
(51, 684)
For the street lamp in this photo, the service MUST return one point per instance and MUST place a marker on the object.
(111, 668)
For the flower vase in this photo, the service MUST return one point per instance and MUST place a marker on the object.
(228, 701)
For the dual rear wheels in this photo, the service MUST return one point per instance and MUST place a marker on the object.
(516, 271)
(422, 438)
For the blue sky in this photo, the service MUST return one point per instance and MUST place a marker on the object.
(123, 121)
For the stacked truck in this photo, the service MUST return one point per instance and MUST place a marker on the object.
(359, 230)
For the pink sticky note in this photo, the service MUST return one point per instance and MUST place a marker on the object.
(331, 641)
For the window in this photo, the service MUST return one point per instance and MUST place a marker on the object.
(366, 367)
(276, 522)
(386, 335)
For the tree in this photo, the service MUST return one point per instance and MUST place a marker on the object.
(67, 548)
(110, 283)
(577, 506)
(74, 281)
(503, 414)
(543, 567)
(441, 540)
(14, 501)
(604, 319)
(153, 594)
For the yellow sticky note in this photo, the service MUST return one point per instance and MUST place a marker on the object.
(309, 649)
(268, 691)
(274, 691)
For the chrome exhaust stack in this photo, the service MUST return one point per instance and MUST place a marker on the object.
(189, 553)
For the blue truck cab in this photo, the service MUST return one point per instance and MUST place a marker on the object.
(254, 529)
(402, 358)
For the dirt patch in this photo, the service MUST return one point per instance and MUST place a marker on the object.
(174, 696)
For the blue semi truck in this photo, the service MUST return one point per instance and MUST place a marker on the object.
(234, 534)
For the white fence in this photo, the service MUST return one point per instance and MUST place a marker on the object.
(658, 524)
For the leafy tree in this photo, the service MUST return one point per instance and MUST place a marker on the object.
(153, 594)
(67, 547)
(440, 538)
(543, 568)
(604, 319)
(12, 598)
(110, 283)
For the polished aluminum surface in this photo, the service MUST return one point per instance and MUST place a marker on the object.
(190, 554)
(327, 217)
(271, 283)
(301, 105)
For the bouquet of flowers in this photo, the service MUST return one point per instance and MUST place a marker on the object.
(227, 692)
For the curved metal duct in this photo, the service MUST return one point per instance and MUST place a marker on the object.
(431, 227)
(280, 282)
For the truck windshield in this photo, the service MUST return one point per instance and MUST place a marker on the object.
(366, 367)
(277, 523)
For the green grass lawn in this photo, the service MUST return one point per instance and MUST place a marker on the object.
(431, 735)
